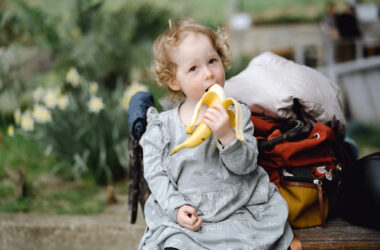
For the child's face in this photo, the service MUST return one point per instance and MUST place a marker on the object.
(198, 66)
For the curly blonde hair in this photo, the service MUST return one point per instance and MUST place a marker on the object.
(164, 66)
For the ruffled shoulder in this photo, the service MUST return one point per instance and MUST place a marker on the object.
(156, 133)
(152, 115)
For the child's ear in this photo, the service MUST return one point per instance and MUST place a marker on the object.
(174, 85)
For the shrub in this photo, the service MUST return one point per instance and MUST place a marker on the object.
(79, 117)
(83, 124)
(102, 39)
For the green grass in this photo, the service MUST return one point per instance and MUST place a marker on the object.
(20, 154)
(6, 190)
(46, 192)
(16, 205)
(84, 201)
(73, 201)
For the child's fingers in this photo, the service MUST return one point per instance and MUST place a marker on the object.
(215, 109)
(187, 217)
(190, 210)
(210, 117)
(216, 118)
(216, 112)
(197, 225)
(190, 219)
(218, 109)
(189, 214)
(209, 121)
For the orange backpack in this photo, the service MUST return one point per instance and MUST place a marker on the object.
(306, 167)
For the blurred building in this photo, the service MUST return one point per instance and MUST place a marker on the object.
(357, 70)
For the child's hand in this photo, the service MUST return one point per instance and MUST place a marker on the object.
(216, 117)
(187, 218)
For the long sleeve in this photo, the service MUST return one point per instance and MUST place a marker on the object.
(241, 157)
(155, 144)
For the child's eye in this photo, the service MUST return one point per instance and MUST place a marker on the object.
(212, 60)
(193, 68)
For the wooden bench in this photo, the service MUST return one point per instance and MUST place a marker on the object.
(337, 234)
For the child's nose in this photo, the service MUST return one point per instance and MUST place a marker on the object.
(208, 73)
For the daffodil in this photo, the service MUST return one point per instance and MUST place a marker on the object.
(36, 111)
(38, 94)
(130, 91)
(45, 116)
(11, 130)
(93, 88)
(73, 77)
(17, 116)
(41, 114)
(57, 92)
(95, 104)
(63, 101)
(27, 122)
(50, 98)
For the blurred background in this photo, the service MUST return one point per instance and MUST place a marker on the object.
(68, 69)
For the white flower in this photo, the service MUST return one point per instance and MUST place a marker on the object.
(27, 122)
(51, 98)
(11, 130)
(95, 104)
(38, 94)
(73, 77)
(93, 88)
(63, 101)
(57, 92)
(45, 116)
(17, 116)
(130, 91)
(41, 114)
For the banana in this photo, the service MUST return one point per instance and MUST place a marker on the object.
(202, 132)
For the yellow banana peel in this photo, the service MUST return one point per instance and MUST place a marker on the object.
(202, 132)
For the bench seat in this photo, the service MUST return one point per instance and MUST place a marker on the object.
(338, 234)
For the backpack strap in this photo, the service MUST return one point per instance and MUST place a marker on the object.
(288, 135)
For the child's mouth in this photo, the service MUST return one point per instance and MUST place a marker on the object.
(210, 86)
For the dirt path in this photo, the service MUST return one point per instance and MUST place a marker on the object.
(109, 230)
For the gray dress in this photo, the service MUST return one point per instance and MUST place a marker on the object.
(240, 208)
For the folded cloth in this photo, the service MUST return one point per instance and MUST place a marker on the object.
(138, 105)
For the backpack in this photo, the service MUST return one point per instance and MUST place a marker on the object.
(305, 166)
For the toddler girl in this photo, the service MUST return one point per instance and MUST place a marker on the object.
(213, 196)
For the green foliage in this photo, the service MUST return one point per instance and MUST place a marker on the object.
(6, 190)
(22, 22)
(84, 200)
(11, 85)
(109, 43)
(73, 202)
(103, 43)
(365, 135)
(20, 152)
(88, 131)
(48, 190)
(17, 205)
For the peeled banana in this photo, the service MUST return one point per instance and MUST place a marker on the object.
(202, 132)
